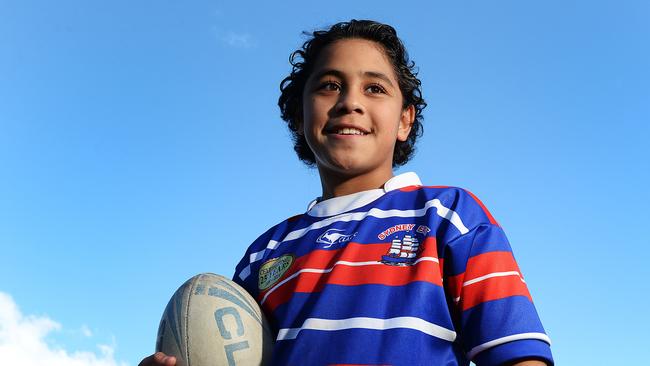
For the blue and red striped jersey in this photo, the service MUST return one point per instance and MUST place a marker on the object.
(404, 275)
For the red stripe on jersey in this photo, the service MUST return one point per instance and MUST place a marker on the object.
(415, 188)
(494, 288)
(321, 258)
(352, 252)
(354, 276)
(481, 265)
(485, 210)
(410, 188)
(351, 275)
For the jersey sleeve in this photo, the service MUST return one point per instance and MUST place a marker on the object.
(246, 271)
(494, 312)
(243, 275)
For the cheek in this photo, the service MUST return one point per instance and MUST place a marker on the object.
(308, 111)
(390, 124)
(316, 116)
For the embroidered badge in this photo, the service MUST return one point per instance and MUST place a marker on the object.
(405, 246)
(272, 270)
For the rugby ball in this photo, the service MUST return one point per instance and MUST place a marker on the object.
(212, 321)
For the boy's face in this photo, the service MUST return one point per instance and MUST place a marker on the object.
(352, 109)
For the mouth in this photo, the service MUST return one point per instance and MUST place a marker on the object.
(346, 131)
(350, 131)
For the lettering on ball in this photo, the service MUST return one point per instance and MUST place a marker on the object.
(230, 334)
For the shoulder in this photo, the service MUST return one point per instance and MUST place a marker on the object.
(448, 201)
(264, 244)
(275, 233)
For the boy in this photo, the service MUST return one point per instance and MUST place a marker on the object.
(381, 270)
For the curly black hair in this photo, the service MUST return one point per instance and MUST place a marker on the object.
(304, 59)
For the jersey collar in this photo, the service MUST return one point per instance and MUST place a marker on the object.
(337, 205)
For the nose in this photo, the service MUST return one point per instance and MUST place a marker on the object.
(349, 102)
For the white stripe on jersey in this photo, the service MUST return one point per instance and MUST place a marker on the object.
(442, 211)
(369, 323)
(493, 274)
(490, 275)
(515, 337)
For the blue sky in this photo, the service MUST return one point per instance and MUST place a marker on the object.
(141, 143)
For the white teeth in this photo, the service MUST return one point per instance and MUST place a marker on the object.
(349, 131)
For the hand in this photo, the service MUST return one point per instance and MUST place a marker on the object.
(158, 359)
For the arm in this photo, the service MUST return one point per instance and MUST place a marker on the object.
(497, 321)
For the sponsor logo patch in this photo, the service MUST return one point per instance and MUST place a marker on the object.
(272, 270)
(334, 236)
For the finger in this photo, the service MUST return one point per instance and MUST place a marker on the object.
(163, 359)
(147, 361)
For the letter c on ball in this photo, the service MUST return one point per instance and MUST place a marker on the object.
(218, 316)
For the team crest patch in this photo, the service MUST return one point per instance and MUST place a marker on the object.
(272, 270)
(406, 244)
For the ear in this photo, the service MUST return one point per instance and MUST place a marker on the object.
(405, 123)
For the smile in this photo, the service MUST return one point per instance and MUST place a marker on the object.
(349, 131)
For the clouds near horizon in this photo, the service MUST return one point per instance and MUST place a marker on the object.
(23, 341)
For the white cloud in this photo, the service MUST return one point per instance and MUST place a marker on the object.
(22, 341)
(235, 39)
(86, 331)
(238, 40)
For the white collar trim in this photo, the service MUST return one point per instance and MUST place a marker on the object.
(337, 205)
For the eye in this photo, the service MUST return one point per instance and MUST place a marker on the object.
(376, 89)
(329, 85)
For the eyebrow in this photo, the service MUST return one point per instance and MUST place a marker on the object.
(341, 75)
(378, 75)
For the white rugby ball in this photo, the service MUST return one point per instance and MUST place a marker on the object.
(212, 321)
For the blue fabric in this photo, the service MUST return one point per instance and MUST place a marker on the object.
(348, 276)
(515, 351)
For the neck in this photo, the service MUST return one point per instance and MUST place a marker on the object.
(335, 185)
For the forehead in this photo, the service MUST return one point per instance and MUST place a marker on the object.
(354, 56)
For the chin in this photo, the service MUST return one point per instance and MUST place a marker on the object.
(346, 167)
